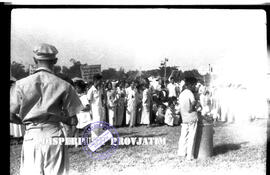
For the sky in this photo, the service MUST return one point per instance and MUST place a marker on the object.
(139, 39)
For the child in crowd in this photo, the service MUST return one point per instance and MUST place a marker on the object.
(205, 101)
(177, 119)
(160, 114)
(170, 113)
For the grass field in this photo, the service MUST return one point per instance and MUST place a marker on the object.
(237, 149)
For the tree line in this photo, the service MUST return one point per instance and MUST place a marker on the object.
(18, 71)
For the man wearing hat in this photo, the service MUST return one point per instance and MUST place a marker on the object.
(42, 101)
(187, 104)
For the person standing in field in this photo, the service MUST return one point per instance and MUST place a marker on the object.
(83, 116)
(111, 103)
(172, 89)
(189, 116)
(145, 119)
(139, 96)
(43, 100)
(95, 97)
(132, 104)
(127, 90)
(120, 104)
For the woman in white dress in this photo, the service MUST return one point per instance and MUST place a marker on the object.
(145, 119)
(111, 104)
(132, 104)
(127, 91)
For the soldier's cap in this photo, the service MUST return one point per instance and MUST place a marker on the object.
(45, 51)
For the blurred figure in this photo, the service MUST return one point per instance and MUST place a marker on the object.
(160, 114)
(16, 130)
(205, 101)
(139, 98)
(128, 91)
(162, 93)
(215, 105)
(170, 113)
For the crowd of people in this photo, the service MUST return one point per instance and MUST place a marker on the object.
(50, 106)
(135, 103)
(144, 101)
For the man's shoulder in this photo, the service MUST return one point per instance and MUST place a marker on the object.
(59, 81)
(39, 77)
(92, 89)
(186, 93)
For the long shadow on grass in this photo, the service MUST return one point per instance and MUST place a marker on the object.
(224, 148)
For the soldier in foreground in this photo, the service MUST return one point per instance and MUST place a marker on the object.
(40, 100)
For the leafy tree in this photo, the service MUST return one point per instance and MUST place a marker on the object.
(75, 70)
(65, 70)
(121, 73)
(132, 75)
(193, 73)
(57, 69)
(109, 73)
(169, 70)
(153, 72)
(18, 70)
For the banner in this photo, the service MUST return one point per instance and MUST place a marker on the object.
(32, 69)
(88, 71)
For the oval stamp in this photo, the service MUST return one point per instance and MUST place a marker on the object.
(102, 143)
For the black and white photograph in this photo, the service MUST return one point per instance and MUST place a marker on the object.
(123, 91)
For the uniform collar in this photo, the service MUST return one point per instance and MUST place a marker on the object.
(44, 69)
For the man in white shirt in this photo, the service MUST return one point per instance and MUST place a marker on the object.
(189, 120)
(94, 96)
(172, 88)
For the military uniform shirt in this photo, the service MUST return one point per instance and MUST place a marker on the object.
(43, 94)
